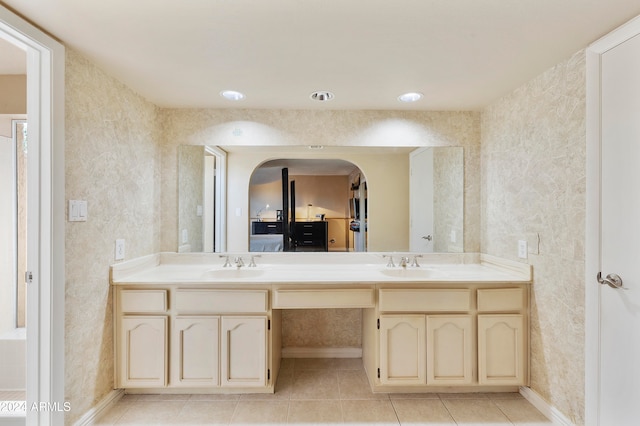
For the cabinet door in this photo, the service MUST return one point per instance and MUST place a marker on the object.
(402, 350)
(243, 349)
(501, 350)
(195, 359)
(143, 351)
(449, 349)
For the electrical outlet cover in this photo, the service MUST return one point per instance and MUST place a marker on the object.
(522, 249)
(120, 249)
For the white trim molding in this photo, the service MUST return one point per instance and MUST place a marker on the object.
(292, 352)
(545, 408)
(101, 408)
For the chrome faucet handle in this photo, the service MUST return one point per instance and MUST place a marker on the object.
(226, 261)
(239, 262)
(252, 264)
(414, 262)
(390, 264)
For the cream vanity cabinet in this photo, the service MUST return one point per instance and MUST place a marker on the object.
(206, 338)
(141, 338)
(502, 336)
(462, 336)
(425, 345)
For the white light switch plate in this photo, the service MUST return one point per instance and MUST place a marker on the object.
(77, 211)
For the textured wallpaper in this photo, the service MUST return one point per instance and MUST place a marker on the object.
(533, 184)
(111, 160)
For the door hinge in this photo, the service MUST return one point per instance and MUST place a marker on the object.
(268, 324)
(378, 323)
(268, 374)
(28, 277)
(378, 373)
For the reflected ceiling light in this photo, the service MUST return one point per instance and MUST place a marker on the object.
(322, 96)
(316, 146)
(232, 95)
(410, 97)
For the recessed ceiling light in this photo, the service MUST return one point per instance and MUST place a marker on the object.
(410, 97)
(232, 95)
(322, 96)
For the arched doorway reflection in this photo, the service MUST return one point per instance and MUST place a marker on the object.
(307, 205)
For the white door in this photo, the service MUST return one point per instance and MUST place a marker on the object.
(421, 196)
(618, 363)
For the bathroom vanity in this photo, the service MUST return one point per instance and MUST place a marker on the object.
(187, 323)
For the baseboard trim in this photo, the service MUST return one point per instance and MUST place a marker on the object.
(545, 408)
(321, 352)
(99, 409)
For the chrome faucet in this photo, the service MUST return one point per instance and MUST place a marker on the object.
(403, 261)
(239, 262)
(252, 264)
(226, 261)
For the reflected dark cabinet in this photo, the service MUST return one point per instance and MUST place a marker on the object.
(259, 228)
(310, 236)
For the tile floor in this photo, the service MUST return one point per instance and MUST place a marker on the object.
(325, 391)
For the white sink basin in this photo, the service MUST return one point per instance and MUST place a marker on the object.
(410, 273)
(232, 273)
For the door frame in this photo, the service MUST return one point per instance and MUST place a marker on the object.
(45, 295)
(593, 213)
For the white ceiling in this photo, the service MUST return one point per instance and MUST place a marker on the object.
(462, 54)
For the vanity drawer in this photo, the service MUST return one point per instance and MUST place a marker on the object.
(500, 300)
(324, 298)
(132, 301)
(424, 300)
(221, 301)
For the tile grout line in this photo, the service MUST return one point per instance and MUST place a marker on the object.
(235, 410)
(503, 413)
(447, 408)
(395, 412)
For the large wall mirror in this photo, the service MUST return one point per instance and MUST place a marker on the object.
(404, 198)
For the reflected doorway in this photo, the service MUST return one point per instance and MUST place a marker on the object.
(201, 199)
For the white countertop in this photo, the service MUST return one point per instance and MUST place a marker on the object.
(325, 268)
